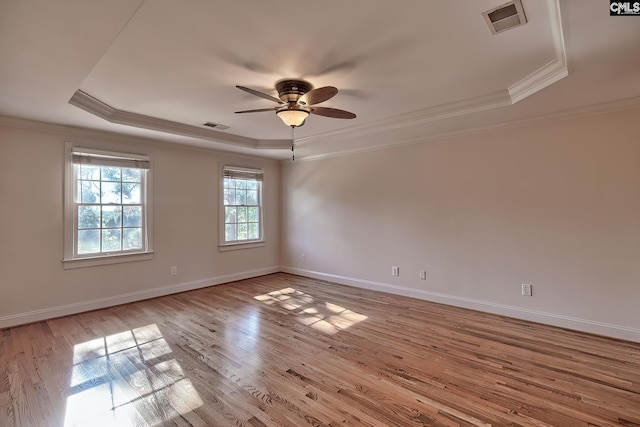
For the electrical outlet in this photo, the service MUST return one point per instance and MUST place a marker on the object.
(304, 257)
(527, 290)
(174, 270)
(423, 274)
(395, 271)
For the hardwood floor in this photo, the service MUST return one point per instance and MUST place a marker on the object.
(282, 350)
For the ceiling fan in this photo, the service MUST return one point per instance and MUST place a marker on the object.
(297, 100)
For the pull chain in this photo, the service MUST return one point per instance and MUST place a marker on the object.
(293, 154)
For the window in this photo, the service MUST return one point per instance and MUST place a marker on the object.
(242, 202)
(107, 207)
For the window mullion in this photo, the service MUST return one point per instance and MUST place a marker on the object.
(101, 210)
(121, 214)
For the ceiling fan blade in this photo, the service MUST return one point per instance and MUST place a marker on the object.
(260, 94)
(319, 95)
(259, 110)
(333, 113)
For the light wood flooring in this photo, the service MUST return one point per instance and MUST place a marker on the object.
(282, 350)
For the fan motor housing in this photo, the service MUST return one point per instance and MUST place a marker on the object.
(291, 90)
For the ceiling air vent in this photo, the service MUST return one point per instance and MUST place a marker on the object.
(216, 126)
(505, 17)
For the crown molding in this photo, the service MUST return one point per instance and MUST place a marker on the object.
(543, 77)
(551, 72)
(535, 82)
(440, 112)
(538, 80)
(100, 109)
(572, 113)
(97, 135)
(546, 75)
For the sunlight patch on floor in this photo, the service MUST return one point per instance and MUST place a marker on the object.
(323, 316)
(114, 379)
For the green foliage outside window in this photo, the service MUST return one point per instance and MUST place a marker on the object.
(110, 209)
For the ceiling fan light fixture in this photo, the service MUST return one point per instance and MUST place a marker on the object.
(293, 118)
(296, 100)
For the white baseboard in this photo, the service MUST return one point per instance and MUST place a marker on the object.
(585, 325)
(79, 307)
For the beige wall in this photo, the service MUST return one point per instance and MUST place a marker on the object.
(554, 204)
(186, 191)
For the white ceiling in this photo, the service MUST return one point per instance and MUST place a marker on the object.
(409, 69)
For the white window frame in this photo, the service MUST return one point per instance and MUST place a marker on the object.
(240, 244)
(73, 260)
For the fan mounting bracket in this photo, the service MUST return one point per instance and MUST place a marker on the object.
(290, 90)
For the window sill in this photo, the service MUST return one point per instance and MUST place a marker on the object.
(236, 246)
(105, 260)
